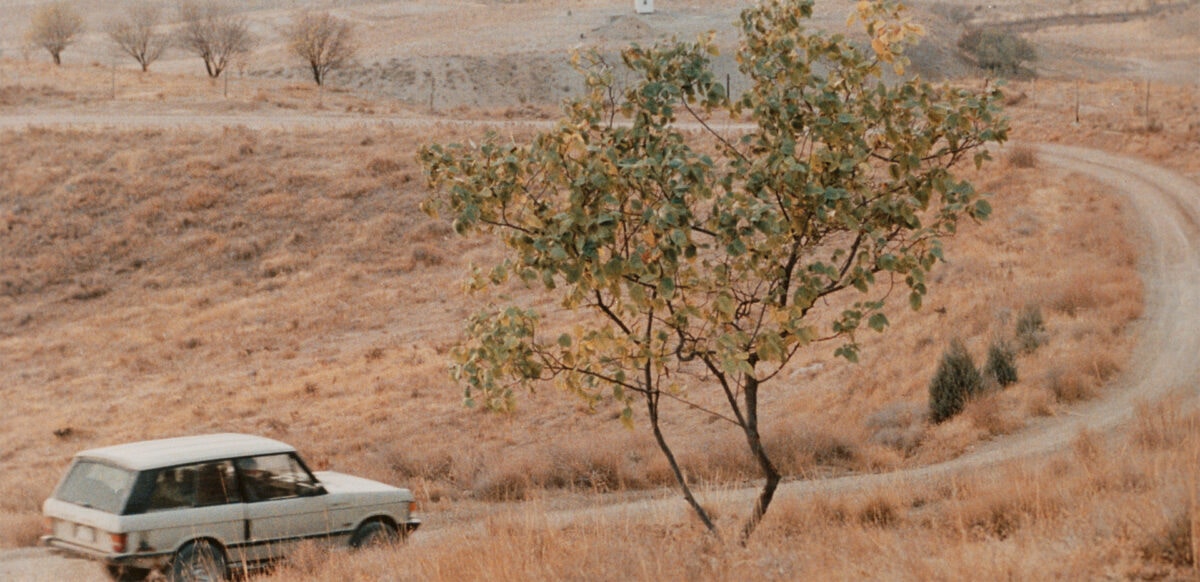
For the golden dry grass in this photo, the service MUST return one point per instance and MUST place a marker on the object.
(284, 283)
(1108, 508)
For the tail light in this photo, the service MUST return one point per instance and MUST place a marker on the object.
(412, 507)
(118, 542)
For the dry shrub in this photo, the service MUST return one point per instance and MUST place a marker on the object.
(202, 198)
(426, 255)
(988, 414)
(430, 231)
(422, 462)
(1173, 544)
(1087, 447)
(878, 511)
(1069, 386)
(598, 466)
(1075, 296)
(720, 458)
(1022, 156)
(19, 530)
(796, 450)
(383, 166)
(1164, 424)
(1103, 364)
(305, 560)
(899, 426)
(995, 518)
(1014, 98)
(356, 188)
(282, 264)
(510, 481)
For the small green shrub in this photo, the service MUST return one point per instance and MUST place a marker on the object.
(998, 51)
(1001, 364)
(956, 380)
(1031, 328)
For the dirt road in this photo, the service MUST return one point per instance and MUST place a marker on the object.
(1167, 209)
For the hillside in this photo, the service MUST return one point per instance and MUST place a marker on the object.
(177, 258)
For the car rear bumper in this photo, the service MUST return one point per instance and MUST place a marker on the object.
(140, 560)
(411, 525)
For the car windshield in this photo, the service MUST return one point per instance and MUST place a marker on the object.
(96, 485)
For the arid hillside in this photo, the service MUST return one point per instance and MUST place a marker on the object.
(181, 256)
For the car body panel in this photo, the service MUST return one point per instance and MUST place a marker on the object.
(147, 531)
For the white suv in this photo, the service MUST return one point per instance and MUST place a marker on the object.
(200, 507)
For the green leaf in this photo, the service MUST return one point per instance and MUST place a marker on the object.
(878, 322)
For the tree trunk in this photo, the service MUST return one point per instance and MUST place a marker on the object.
(652, 407)
(764, 462)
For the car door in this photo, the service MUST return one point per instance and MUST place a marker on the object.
(183, 503)
(284, 505)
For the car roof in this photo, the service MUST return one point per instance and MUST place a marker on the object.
(182, 450)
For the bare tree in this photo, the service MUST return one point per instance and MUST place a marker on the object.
(325, 41)
(134, 33)
(214, 33)
(54, 28)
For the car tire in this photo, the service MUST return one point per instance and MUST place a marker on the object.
(126, 573)
(198, 562)
(374, 534)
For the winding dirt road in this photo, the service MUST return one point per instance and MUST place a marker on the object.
(1167, 208)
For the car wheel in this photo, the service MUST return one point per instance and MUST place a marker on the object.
(198, 562)
(374, 534)
(126, 573)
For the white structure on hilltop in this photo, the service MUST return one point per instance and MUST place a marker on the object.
(643, 6)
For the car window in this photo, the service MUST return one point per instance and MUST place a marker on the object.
(198, 485)
(275, 477)
(96, 485)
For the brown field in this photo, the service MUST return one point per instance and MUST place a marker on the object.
(252, 258)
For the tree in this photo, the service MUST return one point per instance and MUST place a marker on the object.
(704, 259)
(324, 41)
(54, 27)
(134, 33)
(212, 31)
(998, 51)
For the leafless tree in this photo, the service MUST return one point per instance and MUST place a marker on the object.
(325, 41)
(54, 28)
(134, 33)
(213, 32)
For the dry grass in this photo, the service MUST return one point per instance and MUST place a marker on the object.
(1091, 512)
(249, 280)
(284, 283)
